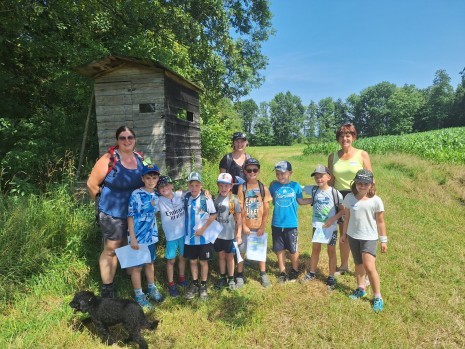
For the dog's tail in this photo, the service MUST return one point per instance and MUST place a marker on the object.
(151, 325)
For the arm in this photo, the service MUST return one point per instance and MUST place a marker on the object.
(330, 167)
(304, 201)
(238, 216)
(204, 227)
(330, 221)
(366, 161)
(346, 224)
(381, 230)
(266, 212)
(134, 243)
(97, 175)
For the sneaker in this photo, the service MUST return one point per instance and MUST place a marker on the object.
(203, 292)
(184, 283)
(358, 293)
(192, 292)
(239, 282)
(107, 291)
(282, 278)
(378, 304)
(232, 284)
(309, 277)
(173, 291)
(154, 294)
(330, 283)
(143, 301)
(293, 275)
(341, 271)
(265, 281)
(222, 283)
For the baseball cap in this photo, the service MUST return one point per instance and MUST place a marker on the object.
(149, 169)
(194, 176)
(225, 178)
(283, 166)
(163, 180)
(364, 176)
(239, 135)
(251, 161)
(321, 169)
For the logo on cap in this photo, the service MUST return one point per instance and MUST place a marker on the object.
(283, 166)
(194, 176)
(225, 178)
(320, 169)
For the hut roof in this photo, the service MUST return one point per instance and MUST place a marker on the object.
(107, 64)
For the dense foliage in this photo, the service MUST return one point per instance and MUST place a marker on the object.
(215, 43)
(445, 145)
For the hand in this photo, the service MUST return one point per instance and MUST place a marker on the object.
(342, 239)
(199, 232)
(239, 240)
(207, 194)
(134, 244)
(328, 223)
(260, 231)
(384, 247)
(246, 231)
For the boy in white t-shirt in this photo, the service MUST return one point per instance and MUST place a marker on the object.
(171, 205)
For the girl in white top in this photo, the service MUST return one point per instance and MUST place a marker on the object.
(363, 224)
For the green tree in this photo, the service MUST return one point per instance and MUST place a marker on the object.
(262, 131)
(310, 122)
(405, 105)
(248, 109)
(440, 99)
(458, 113)
(287, 116)
(326, 119)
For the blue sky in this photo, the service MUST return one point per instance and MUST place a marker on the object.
(333, 48)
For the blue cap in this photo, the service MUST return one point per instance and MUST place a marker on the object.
(150, 169)
(283, 166)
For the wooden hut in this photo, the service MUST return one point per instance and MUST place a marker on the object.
(157, 103)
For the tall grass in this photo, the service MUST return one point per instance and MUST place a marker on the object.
(446, 145)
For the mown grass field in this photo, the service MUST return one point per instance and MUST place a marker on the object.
(422, 279)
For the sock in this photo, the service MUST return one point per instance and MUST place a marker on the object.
(361, 287)
(240, 275)
(377, 295)
(203, 283)
(181, 278)
(230, 278)
(195, 282)
(171, 283)
(262, 273)
(151, 286)
(312, 273)
(138, 291)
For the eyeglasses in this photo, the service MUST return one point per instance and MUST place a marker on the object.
(250, 170)
(123, 138)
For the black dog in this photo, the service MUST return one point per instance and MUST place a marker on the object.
(106, 312)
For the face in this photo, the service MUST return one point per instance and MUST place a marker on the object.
(195, 187)
(224, 188)
(240, 144)
(251, 171)
(363, 188)
(166, 190)
(346, 139)
(150, 180)
(126, 140)
(321, 179)
(283, 177)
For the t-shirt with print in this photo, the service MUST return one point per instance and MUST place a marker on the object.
(252, 203)
(225, 217)
(323, 206)
(362, 222)
(142, 207)
(285, 204)
(198, 210)
(172, 216)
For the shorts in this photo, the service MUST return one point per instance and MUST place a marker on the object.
(201, 252)
(152, 255)
(223, 245)
(333, 240)
(113, 228)
(173, 247)
(284, 239)
(357, 247)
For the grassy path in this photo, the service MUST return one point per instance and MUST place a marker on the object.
(422, 281)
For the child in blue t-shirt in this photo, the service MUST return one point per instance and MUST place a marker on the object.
(142, 228)
(284, 225)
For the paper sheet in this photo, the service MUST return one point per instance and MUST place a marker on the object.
(323, 235)
(212, 232)
(256, 247)
(238, 253)
(129, 257)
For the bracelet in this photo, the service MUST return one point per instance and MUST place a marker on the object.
(383, 239)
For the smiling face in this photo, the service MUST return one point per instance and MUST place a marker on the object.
(150, 180)
(166, 190)
(252, 171)
(195, 187)
(346, 139)
(283, 177)
(240, 144)
(321, 179)
(363, 188)
(224, 188)
(126, 140)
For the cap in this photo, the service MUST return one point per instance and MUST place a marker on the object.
(150, 168)
(194, 176)
(321, 169)
(225, 178)
(163, 180)
(364, 176)
(239, 135)
(283, 166)
(251, 161)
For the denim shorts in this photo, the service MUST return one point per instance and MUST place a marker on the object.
(357, 247)
(173, 247)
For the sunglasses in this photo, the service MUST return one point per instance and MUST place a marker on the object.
(123, 138)
(250, 170)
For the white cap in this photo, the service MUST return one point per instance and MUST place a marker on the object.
(225, 178)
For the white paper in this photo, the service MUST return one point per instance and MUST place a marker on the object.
(129, 257)
(256, 247)
(238, 253)
(323, 235)
(212, 232)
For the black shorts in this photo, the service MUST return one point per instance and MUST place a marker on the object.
(202, 252)
(284, 239)
(113, 228)
(223, 245)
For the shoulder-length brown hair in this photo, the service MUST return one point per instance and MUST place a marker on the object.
(371, 192)
(346, 128)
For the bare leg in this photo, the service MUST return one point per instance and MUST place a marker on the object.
(108, 262)
(222, 262)
(150, 273)
(370, 268)
(204, 270)
(295, 260)
(332, 259)
(281, 264)
(344, 250)
(136, 278)
(230, 264)
(170, 269)
(194, 269)
(316, 249)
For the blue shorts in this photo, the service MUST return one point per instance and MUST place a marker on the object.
(284, 239)
(152, 255)
(174, 248)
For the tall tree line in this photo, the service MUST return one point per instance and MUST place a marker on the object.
(382, 109)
